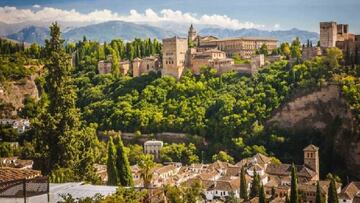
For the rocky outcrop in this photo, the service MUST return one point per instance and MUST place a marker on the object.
(326, 112)
(14, 92)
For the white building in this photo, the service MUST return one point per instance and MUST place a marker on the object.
(153, 147)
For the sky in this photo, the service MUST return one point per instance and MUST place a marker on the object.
(233, 14)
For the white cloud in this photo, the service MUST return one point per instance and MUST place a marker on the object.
(47, 14)
(277, 26)
(36, 6)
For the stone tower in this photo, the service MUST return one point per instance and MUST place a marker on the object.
(174, 58)
(328, 34)
(192, 33)
(311, 159)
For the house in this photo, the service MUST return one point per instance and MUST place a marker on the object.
(15, 162)
(222, 189)
(9, 174)
(350, 193)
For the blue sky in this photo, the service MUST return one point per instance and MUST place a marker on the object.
(303, 14)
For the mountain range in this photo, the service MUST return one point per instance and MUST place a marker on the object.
(127, 31)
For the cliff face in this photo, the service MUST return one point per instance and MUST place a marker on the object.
(323, 112)
(14, 92)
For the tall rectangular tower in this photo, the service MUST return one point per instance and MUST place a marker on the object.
(174, 56)
(328, 34)
(311, 159)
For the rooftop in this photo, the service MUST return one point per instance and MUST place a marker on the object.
(9, 174)
(246, 39)
(311, 148)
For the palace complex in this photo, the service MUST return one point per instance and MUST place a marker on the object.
(195, 52)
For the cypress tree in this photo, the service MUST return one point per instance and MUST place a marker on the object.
(122, 165)
(294, 195)
(60, 136)
(319, 197)
(255, 185)
(243, 185)
(287, 200)
(332, 194)
(111, 164)
(273, 193)
(262, 198)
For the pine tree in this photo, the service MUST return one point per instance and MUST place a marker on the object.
(122, 165)
(243, 185)
(294, 196)
(111, 164)
(319, 197)
(262, 198)
(332, 194)
(60, 136)
(255, 185)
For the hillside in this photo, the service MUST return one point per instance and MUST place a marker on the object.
(282, 36)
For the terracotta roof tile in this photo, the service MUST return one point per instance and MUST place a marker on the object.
(8, 174)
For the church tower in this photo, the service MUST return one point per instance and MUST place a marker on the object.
(192, 34)
(311, 159)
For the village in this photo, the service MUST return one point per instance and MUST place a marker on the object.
(219, 179)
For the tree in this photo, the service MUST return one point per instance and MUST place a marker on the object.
(135, 152)
(146, 164)
(255, 185)
(122, 164)
(193, 193)
(296, 49)
(332, 194)
(333, 58)
(262, 198)
(263, 50)
(111, 163)
(273, 193)
(319, 195)
(179, 153)
(285, 50)
(231, 198)
(173, 194)
(294, 195)
(243, 185)
(126, 195)
(223, 156)
(287, 200)
(61, 139)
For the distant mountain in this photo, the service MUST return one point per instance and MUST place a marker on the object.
(7, 29)
(282, 36)
(116, 29)
(128, 31)
(32, 34)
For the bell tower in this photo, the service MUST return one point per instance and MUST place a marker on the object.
(192, 33)
(311, 159)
